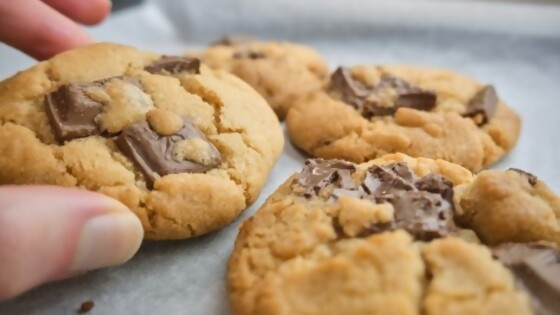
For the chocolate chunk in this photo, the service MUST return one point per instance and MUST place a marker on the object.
(358, 95)
(483, 105)
(86, 307)
(436, 184)
(152, 152)
(233, 41)
(424, 215)
(71, 112)
(536, 268)
(174, 65)
(382, 180)
(346, 185)
(350, 91)
(530, 177)
(247, 54)
(422, 206)
(318, 173)
(407, 96)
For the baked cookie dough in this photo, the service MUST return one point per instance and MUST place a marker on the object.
(282, 72)
(512, 206)
(186, 148)
(368, 111)
(384, 237)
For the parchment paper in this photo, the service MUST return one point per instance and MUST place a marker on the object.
(187, 277)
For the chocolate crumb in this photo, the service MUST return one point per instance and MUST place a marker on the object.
(86, 306)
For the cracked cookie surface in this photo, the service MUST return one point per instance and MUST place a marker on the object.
(282, 72)
(186, 148)
(386, 237)
(368, 111)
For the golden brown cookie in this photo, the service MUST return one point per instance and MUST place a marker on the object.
(510, 206)
(382, 238)
(368, 111)
(184, 147)
(282, 72)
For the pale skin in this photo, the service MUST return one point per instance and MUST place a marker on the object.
(52, 233)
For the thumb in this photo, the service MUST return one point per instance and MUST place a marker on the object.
(50, 233)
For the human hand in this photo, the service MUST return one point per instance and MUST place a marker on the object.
(44, 28)
(52, 233)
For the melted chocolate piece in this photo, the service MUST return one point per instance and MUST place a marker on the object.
(422, 206)
(174, 65)
(152, 152)
(247, 54)
(483, 104)
(233, 41)
(424, 215)
(532, 179)
(351, 91)
(381, 180)
(318, 173)
(436, 184)
(536, 268)
(407, 96)
(356, 94)
(71, 112)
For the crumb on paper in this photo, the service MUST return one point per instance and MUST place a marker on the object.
(86, 306)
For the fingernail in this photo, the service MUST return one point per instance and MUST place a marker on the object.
(107, 240)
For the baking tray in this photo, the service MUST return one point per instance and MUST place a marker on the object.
(187, 277)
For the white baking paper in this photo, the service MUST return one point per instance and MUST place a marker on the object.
(187, 277)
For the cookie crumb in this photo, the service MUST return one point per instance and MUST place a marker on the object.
(86, 306)
(164, 122)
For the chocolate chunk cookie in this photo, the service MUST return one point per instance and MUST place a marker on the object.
(387, 237)
(367, 111)
(282, 72)
(165, 135)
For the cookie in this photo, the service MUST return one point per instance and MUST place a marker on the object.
(282, 72)
(368, 111)
(186, 148)
(384, 237)
(511, 206)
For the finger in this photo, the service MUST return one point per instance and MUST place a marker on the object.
(83, 11)
(37, 29)
(50, 233)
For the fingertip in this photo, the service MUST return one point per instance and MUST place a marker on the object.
(55, 39)
(60, 233)
(89, 12)
(38, 30)
(98, 13)
(107, 241)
